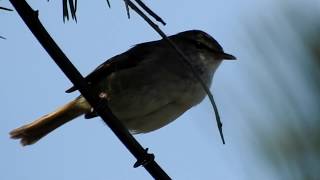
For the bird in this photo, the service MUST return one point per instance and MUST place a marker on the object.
(148, 86)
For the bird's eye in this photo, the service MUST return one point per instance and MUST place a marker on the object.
(199, 45)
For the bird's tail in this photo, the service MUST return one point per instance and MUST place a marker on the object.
(31, 133)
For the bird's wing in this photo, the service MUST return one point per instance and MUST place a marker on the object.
(128, 59)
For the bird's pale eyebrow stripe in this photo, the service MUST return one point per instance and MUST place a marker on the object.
(204, 45)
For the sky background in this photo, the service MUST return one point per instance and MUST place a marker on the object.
(189, 148)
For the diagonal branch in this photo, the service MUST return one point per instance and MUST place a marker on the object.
(97, 100)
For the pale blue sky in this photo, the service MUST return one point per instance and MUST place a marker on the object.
(189, 148)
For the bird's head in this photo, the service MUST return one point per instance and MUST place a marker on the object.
(203, 43)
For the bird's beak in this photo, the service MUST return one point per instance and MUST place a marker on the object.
(227, 56)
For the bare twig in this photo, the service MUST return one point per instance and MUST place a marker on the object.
(72, 7)
(150, 12)
(185, 60)
(109, 5)
(127, 9)
(6, 9)
(65, 10)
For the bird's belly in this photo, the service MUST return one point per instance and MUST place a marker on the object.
(151, 102)
(156, 119)
(153, 109)
(164, 114)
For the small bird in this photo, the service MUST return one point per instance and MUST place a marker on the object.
(147, 86)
